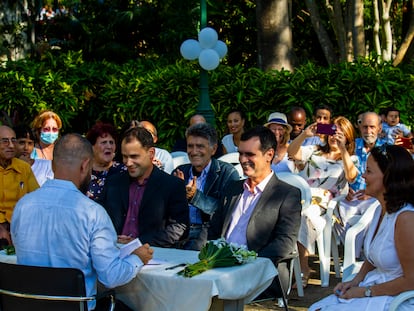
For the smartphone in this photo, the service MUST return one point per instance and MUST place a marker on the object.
(327, 129)
(406, 142)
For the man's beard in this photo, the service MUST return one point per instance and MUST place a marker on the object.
(369, 139)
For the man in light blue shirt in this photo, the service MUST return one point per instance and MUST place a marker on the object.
(58, 226)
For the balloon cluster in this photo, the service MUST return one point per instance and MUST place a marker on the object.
(207, 49)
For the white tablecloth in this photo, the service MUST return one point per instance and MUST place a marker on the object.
(163, 290)
(157, 289)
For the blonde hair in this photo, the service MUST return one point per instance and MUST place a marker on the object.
(41, 118)
(349, 132)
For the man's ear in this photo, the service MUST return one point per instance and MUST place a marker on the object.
(85, 168)
(270, 154)
(214, 149)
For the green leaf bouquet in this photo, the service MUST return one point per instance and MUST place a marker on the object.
(218, 253)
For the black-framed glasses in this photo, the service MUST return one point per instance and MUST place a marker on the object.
(5, 141)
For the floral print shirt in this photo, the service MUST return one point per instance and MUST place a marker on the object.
(322, 173)
(98, 178)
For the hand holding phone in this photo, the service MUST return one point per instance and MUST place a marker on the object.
(327, 129)
(404, 142)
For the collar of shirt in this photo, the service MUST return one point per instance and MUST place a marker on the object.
(260, 186)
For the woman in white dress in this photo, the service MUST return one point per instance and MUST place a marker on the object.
(389, 246)
(328, 169)
(235, 125)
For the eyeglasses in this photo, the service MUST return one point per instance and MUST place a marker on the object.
(49, 129)
(5, 141)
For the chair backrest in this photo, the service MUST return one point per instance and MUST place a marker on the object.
(232, 157)
(17, 281)
(298, 182)
(175, 154)
(180, 160)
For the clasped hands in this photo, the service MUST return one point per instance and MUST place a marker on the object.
(191, 187)
(348, 290)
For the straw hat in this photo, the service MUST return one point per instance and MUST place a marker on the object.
(278, 118)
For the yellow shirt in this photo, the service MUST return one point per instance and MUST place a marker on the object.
(16, 180)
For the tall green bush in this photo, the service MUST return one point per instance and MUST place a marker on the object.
(167, 94)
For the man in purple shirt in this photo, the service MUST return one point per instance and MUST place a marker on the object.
(147, 202)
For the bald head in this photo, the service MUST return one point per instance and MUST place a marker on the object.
(197, 118)
(72, 160)
(150, 128)
(71, 149)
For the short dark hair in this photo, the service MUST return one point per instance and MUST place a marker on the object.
(99, 129)
(203, 130)
(389, 109)
(24, 131)
(323, 107)
(397, 165)
(239, 111)
(266, 136)
(141, 134)
(71, 148)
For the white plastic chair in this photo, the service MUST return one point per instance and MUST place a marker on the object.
(239, 169)
(180, 160)
(306, 198)
(175, 154)
(232, 158)
(398, 300)
(350, 265)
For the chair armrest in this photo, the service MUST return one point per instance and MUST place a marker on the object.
(352, 232)
(108, 294)
(398, 300)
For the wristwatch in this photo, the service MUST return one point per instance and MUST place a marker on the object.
(368, 292)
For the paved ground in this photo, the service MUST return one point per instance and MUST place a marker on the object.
(313, 292)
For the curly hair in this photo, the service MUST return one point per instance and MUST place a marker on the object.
(99, 129)
(397, 165)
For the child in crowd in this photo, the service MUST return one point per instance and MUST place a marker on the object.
(392, 127)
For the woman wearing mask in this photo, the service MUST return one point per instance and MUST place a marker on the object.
(46, 127)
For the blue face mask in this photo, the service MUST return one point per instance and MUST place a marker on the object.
(49, 137)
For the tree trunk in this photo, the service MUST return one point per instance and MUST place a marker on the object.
(409, 36)
(337, 22)
(275, 46)
(386, 29)
(321, 32)
(358, 35)
(376, 28)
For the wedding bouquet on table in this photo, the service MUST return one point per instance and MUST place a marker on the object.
(218, 253)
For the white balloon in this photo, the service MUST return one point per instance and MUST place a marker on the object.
(208, 59)
(207, 38)
(220, 48)
(190, 49)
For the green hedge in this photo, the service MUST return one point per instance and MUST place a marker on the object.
(167, 94)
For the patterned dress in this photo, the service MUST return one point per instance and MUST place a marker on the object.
(327, 179)
(98, 178)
